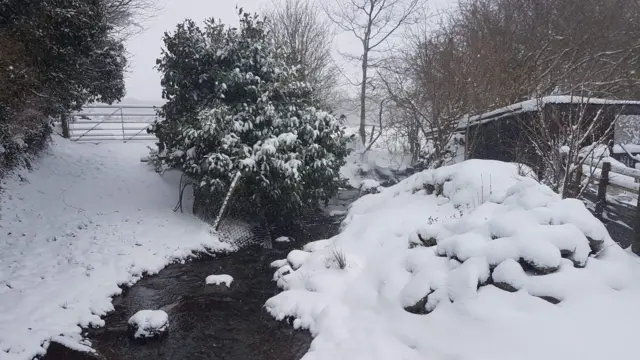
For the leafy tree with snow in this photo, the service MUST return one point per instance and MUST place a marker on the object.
(234, 105)
(64, 49)
(55, 56)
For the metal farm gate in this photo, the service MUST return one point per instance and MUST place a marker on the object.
(98, 123)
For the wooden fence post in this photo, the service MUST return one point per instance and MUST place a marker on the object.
(635, 246)
(64, 119)
(602, 189)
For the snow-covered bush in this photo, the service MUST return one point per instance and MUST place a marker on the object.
(233, 105)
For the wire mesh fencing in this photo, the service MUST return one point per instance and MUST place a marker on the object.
(234, 221)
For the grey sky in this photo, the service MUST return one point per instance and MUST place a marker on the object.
(143, 81)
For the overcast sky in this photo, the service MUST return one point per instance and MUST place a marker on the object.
(143, 80)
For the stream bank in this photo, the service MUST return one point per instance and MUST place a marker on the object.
(212, 322)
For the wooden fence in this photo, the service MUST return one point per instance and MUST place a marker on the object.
(616, 177)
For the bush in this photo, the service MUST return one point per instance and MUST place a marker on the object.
(233, 105)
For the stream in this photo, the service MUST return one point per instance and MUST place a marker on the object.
(212, 322)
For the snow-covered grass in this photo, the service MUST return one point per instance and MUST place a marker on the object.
(219, 280)
(470, 261)
(87, 219)
(149, 323)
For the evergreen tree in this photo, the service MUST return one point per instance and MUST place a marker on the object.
(69, 49)
(233, 104)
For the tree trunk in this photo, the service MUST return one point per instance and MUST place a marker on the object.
(363, 97)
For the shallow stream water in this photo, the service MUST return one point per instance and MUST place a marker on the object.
(212, 322)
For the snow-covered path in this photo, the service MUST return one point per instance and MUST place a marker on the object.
(89, 217)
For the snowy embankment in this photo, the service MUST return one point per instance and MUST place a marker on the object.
(470, 261)
(87, 219)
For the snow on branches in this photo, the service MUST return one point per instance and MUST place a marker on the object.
(234, 105)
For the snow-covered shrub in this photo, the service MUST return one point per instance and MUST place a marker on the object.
(22, 136)
(369, 186)
(451, 153)
(234, 105)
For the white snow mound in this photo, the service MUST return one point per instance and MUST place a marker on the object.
(283, 239)
(472, 254)
(149, 323)
(219, 279)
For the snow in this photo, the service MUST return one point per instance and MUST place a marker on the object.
(87, 219)
(632, 148)
(373, 165)
(149, 323)
(219, 279)
(283, 239)
(296, 258)
(483, 224)
(369, 186)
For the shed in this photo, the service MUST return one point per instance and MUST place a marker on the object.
(500, 134)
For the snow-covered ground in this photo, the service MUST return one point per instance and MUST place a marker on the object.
(488, 265)
(88, 218)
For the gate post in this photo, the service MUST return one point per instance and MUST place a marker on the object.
(602, 189)
(635, 246)
(122, 123)
(64, 119)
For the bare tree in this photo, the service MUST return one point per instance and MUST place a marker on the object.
(567, 136)
(524, 48)
(372, 22)
(305, 38)
(428, 82)
(128, 16)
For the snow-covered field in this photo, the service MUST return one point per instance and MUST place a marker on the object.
(88, 218)
(495, 267)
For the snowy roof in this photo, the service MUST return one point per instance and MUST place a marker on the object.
(534, 105)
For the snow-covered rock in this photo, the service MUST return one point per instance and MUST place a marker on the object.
(219, 280)
(369, 186)
(481, 250)
(148, 324)
(282, 243)
(283, 239)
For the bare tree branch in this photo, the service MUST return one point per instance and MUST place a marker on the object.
(372, 22)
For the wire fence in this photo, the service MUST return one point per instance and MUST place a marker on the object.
(233, 221)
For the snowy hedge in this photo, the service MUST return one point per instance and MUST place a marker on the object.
(21, 138)
(459, 239)
(233, 105)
